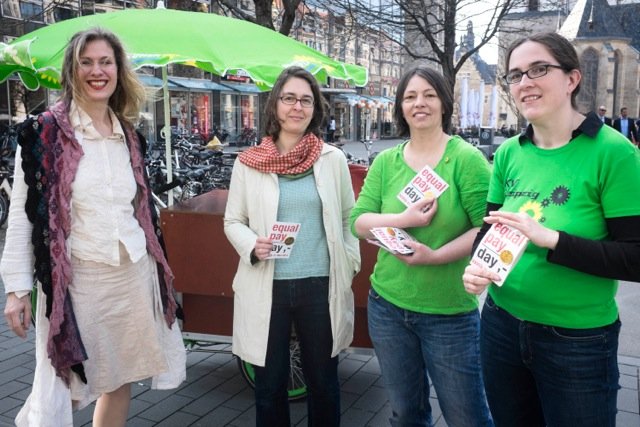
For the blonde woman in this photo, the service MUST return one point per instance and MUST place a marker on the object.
(80, 217)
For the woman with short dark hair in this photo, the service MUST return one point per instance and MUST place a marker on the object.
(423, 325)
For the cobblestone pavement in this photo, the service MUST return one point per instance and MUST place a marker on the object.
(215, 393)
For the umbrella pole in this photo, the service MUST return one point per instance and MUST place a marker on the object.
(167, 132)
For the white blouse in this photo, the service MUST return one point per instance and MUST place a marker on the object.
(102, 212)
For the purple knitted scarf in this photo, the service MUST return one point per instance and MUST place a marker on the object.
(50, 158)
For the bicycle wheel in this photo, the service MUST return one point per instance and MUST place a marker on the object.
(4, 208)
(297, 387)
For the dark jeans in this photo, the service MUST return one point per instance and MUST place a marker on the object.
(537, 375)
(305, 304)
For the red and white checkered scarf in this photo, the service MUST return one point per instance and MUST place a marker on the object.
(266, 157)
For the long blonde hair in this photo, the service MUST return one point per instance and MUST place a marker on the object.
(129, 94)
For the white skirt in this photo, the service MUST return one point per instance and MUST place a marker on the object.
(119, 314)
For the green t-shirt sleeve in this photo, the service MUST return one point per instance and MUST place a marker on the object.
(473, 182)
(620, 182)
(496, 184)
(370, 197)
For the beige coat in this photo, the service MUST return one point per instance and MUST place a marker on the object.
(251, 210)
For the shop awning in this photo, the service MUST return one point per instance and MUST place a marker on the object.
(151, 81)
(350, 98)
(200, 84)
(242, 87)
(381, 100)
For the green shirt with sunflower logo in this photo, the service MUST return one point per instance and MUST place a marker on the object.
(573, 189)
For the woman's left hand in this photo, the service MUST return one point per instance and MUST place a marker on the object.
(422, 254)
(538, 234)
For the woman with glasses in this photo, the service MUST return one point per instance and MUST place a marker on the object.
(570, 184)
(82, 223)
(423, 325)
(293, 181)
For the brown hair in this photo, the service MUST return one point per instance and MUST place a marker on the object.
(272, 124)
(129, 94)
(561, 50)
(441, 87)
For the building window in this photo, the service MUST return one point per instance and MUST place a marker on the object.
(62, 14)
(587, 98)
(23, 9)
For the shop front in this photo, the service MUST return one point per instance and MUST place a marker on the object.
(239, 113)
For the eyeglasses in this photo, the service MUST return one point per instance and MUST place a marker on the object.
(535, 72)
(305, 101)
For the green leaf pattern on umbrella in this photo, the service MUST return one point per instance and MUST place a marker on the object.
(157, 37)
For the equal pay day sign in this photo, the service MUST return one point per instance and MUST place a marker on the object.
(283, 237)
(426, 183)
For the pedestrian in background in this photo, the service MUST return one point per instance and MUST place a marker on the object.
(293, 177)
(602, 115)
(331, 127)
(570, 184)
(81, 217)
(626, 125)
(422, 323)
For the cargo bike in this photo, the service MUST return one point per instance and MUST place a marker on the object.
(204, 264)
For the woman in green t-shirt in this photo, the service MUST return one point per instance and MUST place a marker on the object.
(570, 184)
(422, 323)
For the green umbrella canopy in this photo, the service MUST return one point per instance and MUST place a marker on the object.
(157, 37)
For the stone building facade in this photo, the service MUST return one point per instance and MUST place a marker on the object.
(607, 39)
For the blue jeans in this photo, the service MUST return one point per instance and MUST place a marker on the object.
(413, 347)
(539, 375)
(305, 304)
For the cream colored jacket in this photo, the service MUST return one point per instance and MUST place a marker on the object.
(251, 210)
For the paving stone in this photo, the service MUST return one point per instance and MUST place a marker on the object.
(207, 403)
(347, 367)
(356, 417)
(372, 400)
(242, 401)
(201, 386)
(358, 382)
(629, 381)
(84, 416)
(381, 419)
(165, 408)
(6, 421)
(627, 419)
(219, 417)
(18, 361)
(178, 419)
(138, 406)
(628, 400)
(628, 369)
(372, 366)
(9, 403)
(234, 385)
(245, 419)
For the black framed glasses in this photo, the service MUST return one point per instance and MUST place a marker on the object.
(305, 101)
(534, 72)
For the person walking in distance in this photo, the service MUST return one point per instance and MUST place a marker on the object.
(626, 126)
(602, 115)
